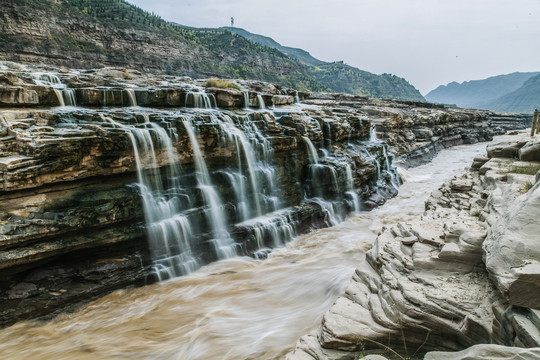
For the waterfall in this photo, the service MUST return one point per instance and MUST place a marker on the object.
(222, 241)
(394, 176)
(169, 232)
(200, 100)
(372, 133)
(246, 99)
(60, 97)
(131, 97)
(350, 180)
(261, 102)
(64, 95)
(357, 207)
(296, 97)
(312, 152)
(68, 95)
(238, 183)
(46, 79)
(272, 228)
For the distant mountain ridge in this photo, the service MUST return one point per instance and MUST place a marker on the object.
(339, 76)
(524, 99)
(296, 53)
(499, 93)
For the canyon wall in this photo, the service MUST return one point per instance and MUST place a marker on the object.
(143, 177)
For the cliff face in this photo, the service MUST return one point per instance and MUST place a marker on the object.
(465, 273)
(154, 176)
(94, 33)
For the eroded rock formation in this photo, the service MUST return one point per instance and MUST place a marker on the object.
(73, 223)
(465, 273)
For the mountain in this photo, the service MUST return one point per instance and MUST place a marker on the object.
(95, 33)
(341, 77)
(296, 53)
(479, 93)
(524, 99)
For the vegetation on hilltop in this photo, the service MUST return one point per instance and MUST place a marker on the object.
(93, 33)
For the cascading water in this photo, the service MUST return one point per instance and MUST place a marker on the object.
(222, 241)
(200, 100)
(65, 96)
(246, 99)
(131, 97)
(169, 232)
(69, 97)
(312, 152)
(373, 134)
(60, 97)
(261, 102)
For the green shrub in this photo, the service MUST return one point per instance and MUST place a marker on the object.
(222, 84)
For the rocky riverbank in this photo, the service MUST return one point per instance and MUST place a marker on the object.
(463, 274)
(74, 144)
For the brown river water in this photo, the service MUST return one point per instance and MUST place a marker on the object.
(239, 308)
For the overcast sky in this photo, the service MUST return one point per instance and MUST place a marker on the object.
(428, 42)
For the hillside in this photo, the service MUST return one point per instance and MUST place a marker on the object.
(479, 93)
(94, 33)
(341, 77)
(524, 99)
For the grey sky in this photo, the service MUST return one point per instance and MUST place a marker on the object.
(428, 42)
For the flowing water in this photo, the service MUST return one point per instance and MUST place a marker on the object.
(237, 308)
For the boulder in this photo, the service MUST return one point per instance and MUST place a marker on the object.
(505, 149)
(530, 151)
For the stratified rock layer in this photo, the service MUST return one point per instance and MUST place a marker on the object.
(72, 224)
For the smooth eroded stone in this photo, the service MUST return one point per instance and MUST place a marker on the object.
(461, 185)
(530, 151)
(505, 149)
(485, 351)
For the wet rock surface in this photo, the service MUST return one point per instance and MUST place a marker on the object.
(465, 273)
(72, 217)
(416, 132)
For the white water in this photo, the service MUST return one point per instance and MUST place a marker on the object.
(312, 152)
(200, 100)
(261, 102)
(69, 97)
(372, 133)
(131, 97)
(65, 96)
(60, 97)
(239, 308)
(246, 99)
(222, 241)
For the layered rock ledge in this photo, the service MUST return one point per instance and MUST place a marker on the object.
(466, 273)
(72, 224)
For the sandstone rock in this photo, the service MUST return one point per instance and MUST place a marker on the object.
(461, 185)
(506, 149)
(486, 352)
(18, 96)
(530, 151)
(393, 291)
(512, 255)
